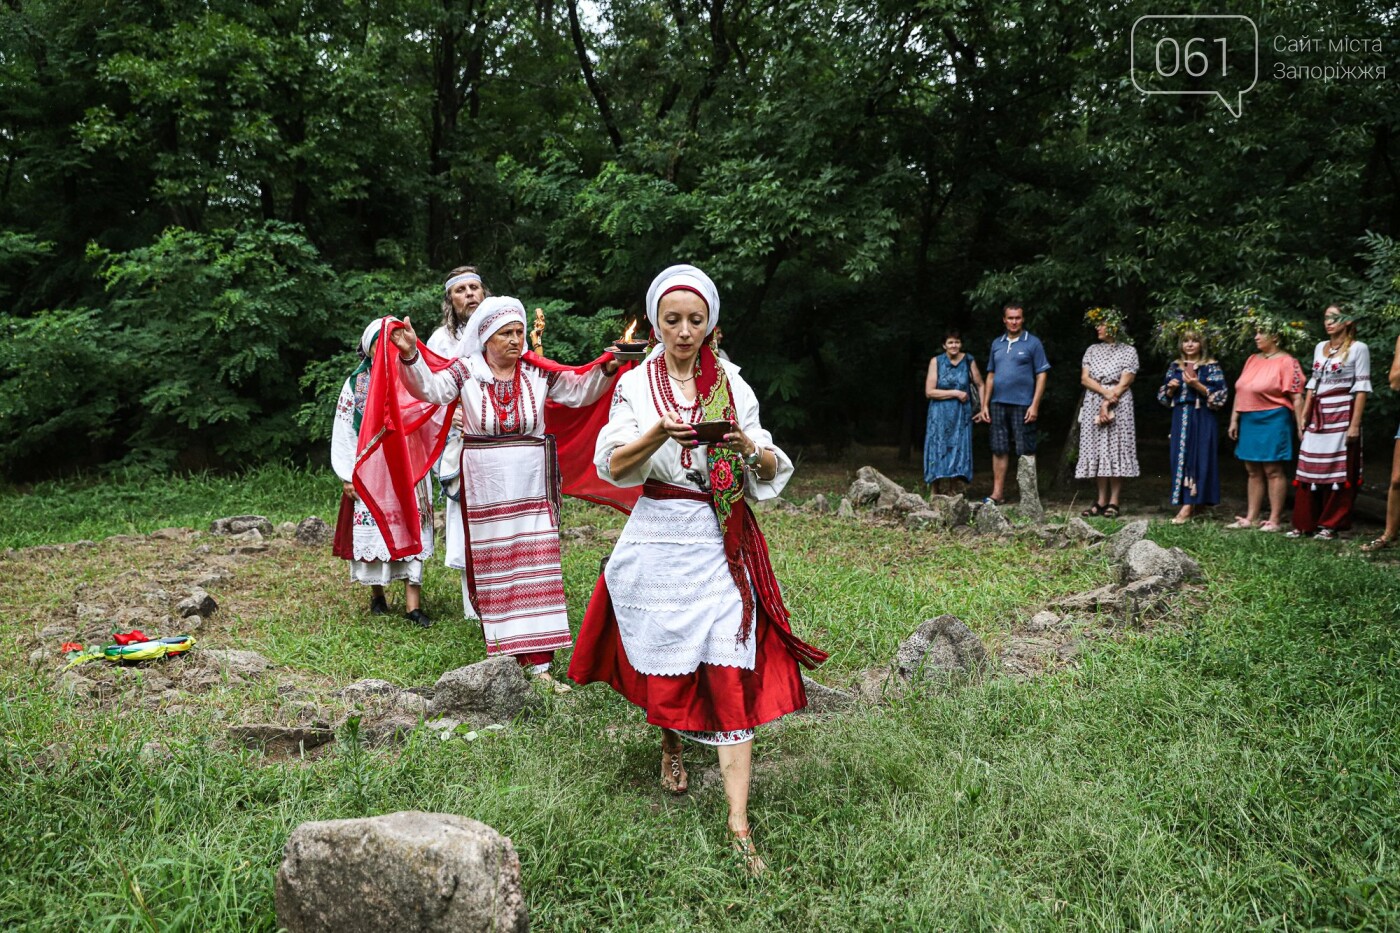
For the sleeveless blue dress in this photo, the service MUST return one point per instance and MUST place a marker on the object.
(948, 440)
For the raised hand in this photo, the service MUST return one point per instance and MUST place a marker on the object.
(405, 339)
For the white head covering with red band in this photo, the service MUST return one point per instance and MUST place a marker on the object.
(686, 277)
(490, 316)
(372, 331)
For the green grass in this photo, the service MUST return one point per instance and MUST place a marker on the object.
(1237, 770)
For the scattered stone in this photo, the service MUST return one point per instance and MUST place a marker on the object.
(939, 649)
(1077, 529)
(44, 550)
(313, 532)
(83, 545)
(1105, 597)
(411, 704)
(411, 872)
(393, 729)
(172, 534)
(247, 664)
(909, 502)
(1044, 621)
(1147, 586)
(988, 519)
(56, 631)
(269, 737)
(574, 534)
(1029, 487)
(610, 534)
(76, 685)
(1149, 559)
(1025, 656)
(1190, 570)
(845, 509)
(863, 492)
(237, 524)
(890, 491)
(286, 529)
(494, 690)
(823, 699)
(1126, 537)
(356, 692)
(922, 519)
(820, 503)
(198, 603)
(156, 597)
(956, 510)
(213, 578)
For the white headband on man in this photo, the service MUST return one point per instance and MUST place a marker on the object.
(457, 279)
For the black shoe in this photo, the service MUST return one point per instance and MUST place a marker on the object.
(378, 606)
(419, 618)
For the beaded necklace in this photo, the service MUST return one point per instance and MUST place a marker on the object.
(504, 395)
(665, 399)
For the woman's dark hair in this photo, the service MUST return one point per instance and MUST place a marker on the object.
(952, 333)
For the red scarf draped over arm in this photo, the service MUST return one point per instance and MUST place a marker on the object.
(401, 437)
(575, 433)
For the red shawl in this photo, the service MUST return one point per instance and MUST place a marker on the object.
(401, 437)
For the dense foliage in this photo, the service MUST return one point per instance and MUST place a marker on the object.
(202, 203)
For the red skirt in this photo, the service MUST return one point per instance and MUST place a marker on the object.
(712, 698)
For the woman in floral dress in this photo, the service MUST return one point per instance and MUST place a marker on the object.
(1107, 436)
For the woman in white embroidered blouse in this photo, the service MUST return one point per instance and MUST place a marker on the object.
(511, 577)
(687, 621)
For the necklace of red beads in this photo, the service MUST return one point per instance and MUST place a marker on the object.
(662, 396)
(504, 395)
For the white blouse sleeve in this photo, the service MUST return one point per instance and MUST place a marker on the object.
(438, 387)
(343, 437)
(574, 390)
(622, 428)
(746, 409)
(1361, 358)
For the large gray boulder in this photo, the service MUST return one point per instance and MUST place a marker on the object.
(1149, 559)
(988, 519)
(890, 491)
(407, 872)
(863, 493)
(956, 510)
(940, 649)
(1126, 537)
(312, 531)
(1029, 486)
(494, 690)
(1077, 529)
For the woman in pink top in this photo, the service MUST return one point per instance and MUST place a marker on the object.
(1267, 414)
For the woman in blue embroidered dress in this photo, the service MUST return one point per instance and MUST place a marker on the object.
(948, 439)
(1194, 388)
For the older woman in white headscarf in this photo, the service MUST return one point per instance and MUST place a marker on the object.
(358, 537)
(509, 499)
(687, 621)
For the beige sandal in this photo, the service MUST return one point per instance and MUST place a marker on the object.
(674, 779)
(754, 864)
(1380, 544)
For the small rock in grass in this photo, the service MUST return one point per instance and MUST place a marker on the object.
(938, 649)
(238, 524)
(1077, 529)
(198, 603)
(845, 509)
(285, 739)
(312, 531)
(1126, 537)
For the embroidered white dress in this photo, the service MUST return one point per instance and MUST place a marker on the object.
(371, 564)
(1322, 455)
(448, 466)
(675, 600)
(509, 490)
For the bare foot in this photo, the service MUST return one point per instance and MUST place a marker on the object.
(754, 864)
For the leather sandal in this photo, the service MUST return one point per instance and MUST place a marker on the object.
(745, 849)
(674, 779)
(1110, 511)
(1380, 544)
(1098, 508)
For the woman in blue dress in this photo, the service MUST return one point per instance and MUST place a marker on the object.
(952, 376)
(1195, 389)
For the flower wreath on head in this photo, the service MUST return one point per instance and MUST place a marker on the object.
(1111, 318)
(1251, 319)
(1170, 330)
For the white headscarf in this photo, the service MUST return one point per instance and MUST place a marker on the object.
(490, 316)
(372, 332)
(682, 276)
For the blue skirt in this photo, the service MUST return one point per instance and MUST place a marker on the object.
(1266, 436)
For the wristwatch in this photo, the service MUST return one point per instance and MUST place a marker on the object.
(753, 459)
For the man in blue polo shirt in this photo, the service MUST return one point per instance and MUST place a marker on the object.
(1016, 368)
